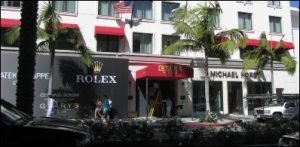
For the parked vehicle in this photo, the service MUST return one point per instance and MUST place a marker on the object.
(18, 128)
(278, 108)
(289, 140)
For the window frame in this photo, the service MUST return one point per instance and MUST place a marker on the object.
(113, 15)
(273, 4)
(177, 53)
(67, 13)
(244, 24)
(142, 40)
(274, 17)
(218, 22)
(143, 11)
(4, 7)
(170, 3)
(109, 40)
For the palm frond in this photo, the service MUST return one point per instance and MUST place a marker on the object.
(249, 62)
(43, 46)
(13, 35)
(289, 63)
(180, 45)
(85, 55)
(262, 62)
(42, 34)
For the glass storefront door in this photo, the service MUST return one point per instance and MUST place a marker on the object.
(235, 97)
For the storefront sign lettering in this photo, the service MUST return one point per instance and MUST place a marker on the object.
(232, 74)
(96, 79)
(13, 75)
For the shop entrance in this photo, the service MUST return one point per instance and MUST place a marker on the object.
(215, 98)
(158, 91)
(235, 97)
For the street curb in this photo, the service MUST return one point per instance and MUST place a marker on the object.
(196, 125)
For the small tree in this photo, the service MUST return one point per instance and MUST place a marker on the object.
(265, 54)
(198, 27)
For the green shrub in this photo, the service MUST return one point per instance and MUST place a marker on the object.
(210, 117)
(173, 129)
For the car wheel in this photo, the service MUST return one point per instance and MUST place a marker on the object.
(277, 116)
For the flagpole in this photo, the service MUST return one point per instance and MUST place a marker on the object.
(131, 19)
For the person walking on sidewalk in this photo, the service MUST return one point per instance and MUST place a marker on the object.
(107, 103)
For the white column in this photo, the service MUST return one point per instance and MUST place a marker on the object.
(245, 102)
(225, 97)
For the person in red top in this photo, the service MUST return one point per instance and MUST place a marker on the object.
(98, 109)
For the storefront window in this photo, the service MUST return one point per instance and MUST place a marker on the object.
(215, 96)
(257, 88)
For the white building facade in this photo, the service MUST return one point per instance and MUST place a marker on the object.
(108, 34)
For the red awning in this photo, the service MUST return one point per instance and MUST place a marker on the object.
(285, 45)
(109, 30)
(165, 71)
(8, 23)
(69, 25)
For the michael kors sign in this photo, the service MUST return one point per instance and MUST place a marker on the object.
(232, 74)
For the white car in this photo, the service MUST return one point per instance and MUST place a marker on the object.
(276, 108)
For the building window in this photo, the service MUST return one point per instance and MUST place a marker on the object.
(106, 8)
(64, 6)
(214, 20)
(142, 43)
(3, 38)
(142, 9)
(245, 21)
(167, 10)
(107, 43)
(16, 4)
(168, 40)
(274, 3)
(275, 24)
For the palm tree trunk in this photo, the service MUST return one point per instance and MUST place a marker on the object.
(272, 77)
(206, 84)
(26, 59)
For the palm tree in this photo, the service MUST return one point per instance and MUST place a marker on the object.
(198, 26)
(265, 54)
(26, 59)
(50, 32)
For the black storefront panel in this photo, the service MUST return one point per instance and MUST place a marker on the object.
(75, 86)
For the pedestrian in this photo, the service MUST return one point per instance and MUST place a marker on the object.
(107, 104)
(98, 109)
(168, 103)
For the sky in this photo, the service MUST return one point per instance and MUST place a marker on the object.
(294, 4)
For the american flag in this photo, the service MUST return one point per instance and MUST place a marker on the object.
(123, 7)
